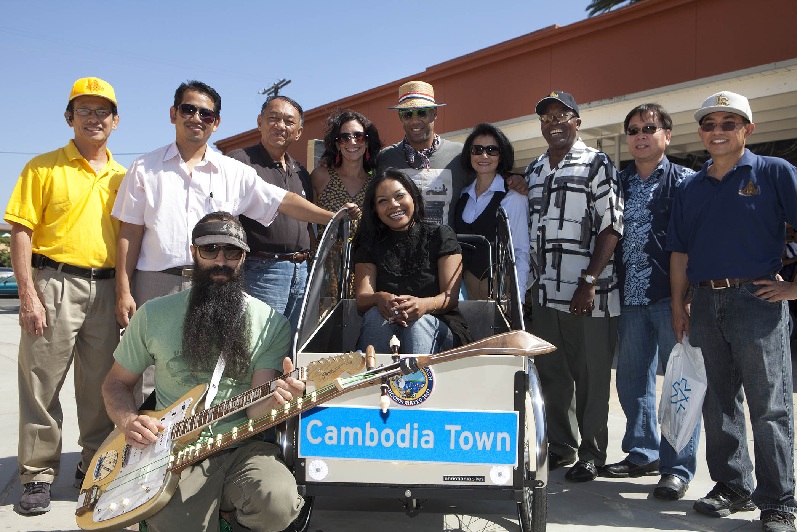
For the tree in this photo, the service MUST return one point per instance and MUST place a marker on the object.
(5, 254)
(596, 7)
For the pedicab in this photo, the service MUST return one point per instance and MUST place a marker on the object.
(470, 429)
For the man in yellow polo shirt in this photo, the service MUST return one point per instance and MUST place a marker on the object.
(63, 250)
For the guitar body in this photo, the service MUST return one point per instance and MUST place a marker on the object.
(125, 485)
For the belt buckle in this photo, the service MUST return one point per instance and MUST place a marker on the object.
(727, 284)
(187, 272)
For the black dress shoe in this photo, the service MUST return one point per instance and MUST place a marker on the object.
(583, 471)
(670, 488)
(556, 460)
(626, 469)
(722, 501)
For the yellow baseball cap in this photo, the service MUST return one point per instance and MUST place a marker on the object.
(93, 87)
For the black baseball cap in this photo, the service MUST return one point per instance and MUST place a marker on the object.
(565, 98)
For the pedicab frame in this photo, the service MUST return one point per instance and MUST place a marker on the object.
(329, 323)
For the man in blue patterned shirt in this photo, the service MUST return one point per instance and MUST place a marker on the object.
(576, 218)
(645, 330)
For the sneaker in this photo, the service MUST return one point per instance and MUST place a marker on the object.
(722, 501)
(777, 521)
(79, 476)
(35, 499)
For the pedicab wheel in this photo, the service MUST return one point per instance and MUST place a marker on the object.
(533, 509)
(302, 521)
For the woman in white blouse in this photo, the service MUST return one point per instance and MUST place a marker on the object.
(489, 154)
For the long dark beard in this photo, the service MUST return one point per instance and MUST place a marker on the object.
(215, 322)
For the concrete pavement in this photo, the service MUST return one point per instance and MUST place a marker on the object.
(619, 504)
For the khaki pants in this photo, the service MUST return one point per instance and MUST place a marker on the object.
(81, 324)
(146, 286)
(477, 288)
(248, 479)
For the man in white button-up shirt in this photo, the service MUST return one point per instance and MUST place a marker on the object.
(167, 191)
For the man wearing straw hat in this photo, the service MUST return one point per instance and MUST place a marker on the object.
(432, 162)
(63, 249)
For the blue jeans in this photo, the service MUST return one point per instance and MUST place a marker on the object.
(424, 336)
(280, 283)
(645, 335)
(745, 346)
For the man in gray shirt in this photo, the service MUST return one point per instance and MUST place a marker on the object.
(432, 162)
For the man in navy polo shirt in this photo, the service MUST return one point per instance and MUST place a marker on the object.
(726, 235)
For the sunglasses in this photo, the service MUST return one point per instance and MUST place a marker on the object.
(492, 150)
(356, 136)
(730, 125)
(99, 113)
(211, 251)
(647, 130)
(420, 113)
(556, 119)
(187, 110)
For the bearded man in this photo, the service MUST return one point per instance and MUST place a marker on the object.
(183, 335)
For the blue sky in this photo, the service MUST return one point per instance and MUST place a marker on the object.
(145, 49)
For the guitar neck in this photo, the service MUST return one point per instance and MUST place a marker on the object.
(517, 343)
(230, 406)
(202, 449)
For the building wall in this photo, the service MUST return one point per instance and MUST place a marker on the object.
(649, 44)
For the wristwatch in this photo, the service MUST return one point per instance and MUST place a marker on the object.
(591, 279)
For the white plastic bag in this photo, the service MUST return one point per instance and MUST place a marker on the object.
(682, 394)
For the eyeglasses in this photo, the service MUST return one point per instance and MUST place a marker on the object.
(211, 251)
(647, 130)
(492, 150)
(187, 110)
(556, 119)
(730, 125)
(420, 113)
(99, 113)
(358, 136)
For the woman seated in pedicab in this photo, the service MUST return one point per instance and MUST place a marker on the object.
(407, 272)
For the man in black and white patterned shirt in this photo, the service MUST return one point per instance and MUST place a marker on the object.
(576, 220)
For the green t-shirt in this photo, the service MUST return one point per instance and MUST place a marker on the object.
(155, 336)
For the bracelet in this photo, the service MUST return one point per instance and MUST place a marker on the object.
(434, 298)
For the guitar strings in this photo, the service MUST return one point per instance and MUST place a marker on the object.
(228, 438)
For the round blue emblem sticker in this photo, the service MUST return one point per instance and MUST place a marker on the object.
(412, 389)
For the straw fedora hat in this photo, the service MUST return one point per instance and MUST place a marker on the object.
(416, 95)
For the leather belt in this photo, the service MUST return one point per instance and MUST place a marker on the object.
(40, 262)
(718, 284)
(295, 257)
(183, 271)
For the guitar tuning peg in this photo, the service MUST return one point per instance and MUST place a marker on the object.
(384, 402)
(394, 347)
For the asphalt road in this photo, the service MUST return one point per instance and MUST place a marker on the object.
(9, 305)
